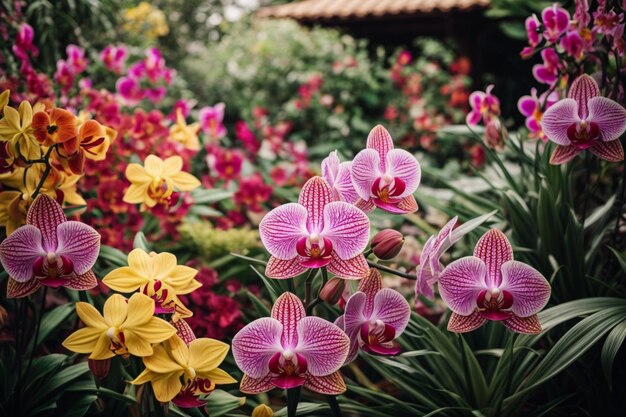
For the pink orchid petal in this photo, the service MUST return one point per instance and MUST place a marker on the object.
(527, 105)
(380, 141)
(527, 325)
(82, 282)
(255, 385)
(558, 118)
(476, 99)
(370, 286)
(391, 308)
(355, 268)
(353, 335)
(543, 74)
(22, 289)
(461, 282)
(323, 345)
(583, 89)
(288, 310)
(330, 168)
(563, 154)
(425, 277)
(494, 249)
(403, 206)
(19, 252)
(288, 381)
(343, 183)
(365, 170)
(612, 151)
(529, 289)
(46, 215)
(347, 227)
(365, 206)
(401, 164)
(255, 344)
(473, 118)
(610, 117)
(332, 384)
(281, 228)
(354, 316)
(314, 196)
(283, 269)
(464, 324)
(80, 243)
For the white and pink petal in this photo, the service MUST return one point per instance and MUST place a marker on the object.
(80, 243)
(20, 250)
(314, 196)
(612, 151)
(610, 117)
(323, 345)
(255, 344)
(281, 229)
(391, 308)
(347, 227)
(494, 249)
(355, 268)
(46, 214)
(461, 282)
(365, 170)
(288, 310)
(529, 289)
(283, 269)
(401, 164)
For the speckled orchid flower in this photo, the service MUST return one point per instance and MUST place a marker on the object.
(49, 250)
(385, 176)
(374, 317)
(316, 232)
(288, 350)
(492, 286)
(585, 121)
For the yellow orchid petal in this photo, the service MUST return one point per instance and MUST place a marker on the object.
(115, 310)
(102, 349)
(182, 279)
(154, 166)
(167, 387)
(140, 261)
(90, 316)
(26, 114)
(11, 122)
(99, 153)
(160, 362)
(162, 265)
(155, 330)
(219, 376)
(185, 182)
(137, 174)
(179, 350)
(206, 354)
(136, 194)
(4, 98)
(83, 340)
(172, 166)
(145, 376)
(124, 279)
(136, 345)
(140, 311)
(71, 196)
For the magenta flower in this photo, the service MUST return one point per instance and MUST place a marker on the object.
(585, 120)
(113, 58)
(337, 175)
(374, 316)
(492, 286)
(485, 107)
(532, 30)
(548, 72)
(385, 176)
(573, 44)
(555, 22)
(531, 107)
(50, 251)
(316, 232)
(211, 120)
(130, 90)
(289, 350)
(76, 59)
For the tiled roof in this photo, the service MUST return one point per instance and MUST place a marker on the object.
(354, 9)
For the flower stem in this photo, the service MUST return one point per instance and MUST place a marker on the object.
(392, 271)
(37, 329)
(334, 405)
(308, 284)
(293, 398)
(317, 299)
(46, 172)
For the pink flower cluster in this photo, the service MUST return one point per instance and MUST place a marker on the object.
(486, 108)
(144, 79)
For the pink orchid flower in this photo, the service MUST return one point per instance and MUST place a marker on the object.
(211, 120)
(548, 72)
(573, 44)
(385, 176)
(76, 59)
(113, 58)
(533, 107)
(492, 286)
(316, 232)
(555, 22)
(49, 250)
(130, 90)
(485, 106)
(289, 350)
(374, 316)
(532, 30)
(585, 120)
(339, 177)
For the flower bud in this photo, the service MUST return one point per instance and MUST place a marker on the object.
(99, 368)
(262, 410)
(387, 244)
(332, 291)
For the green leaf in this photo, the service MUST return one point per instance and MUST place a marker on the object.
(220, 402)
(52, 320)
(611, 346)
(214, 195)
(114, 256)
(141, 242)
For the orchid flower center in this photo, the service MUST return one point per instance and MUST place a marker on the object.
(583, 134)
(377, 337)
(117, 341)
(161, 295)
(388, 188)
(316, 248)
(52, 266)
(159, 190)
(288, 363)
(494, 304)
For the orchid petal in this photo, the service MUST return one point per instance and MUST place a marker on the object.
(255, 385)
(82, 282)
(255, 344)
(494, 249)
(365, 206)
(370, 286)
(527, 325)
(365, 170)
(330, 168)
(529, 288)
(558, 118)
(464, 324)
(347, 227)
(323, 345)
(404, 206)
(354, 316)
(527, 105)
(473, 118)
(460, 283)
(19, 251)
(355, 268)
(391, 308)
(184, 331)
(206, 354)
(583, 89)
(282, 269)
(314, 196)
(288, 310)
(476, 99)
(22, 289)
(380, 140)
(610, 117)
(612, 151)
(46, 215)
(343, 183)
(80, 243)
(332, 384)
(401, 164)
(281, 228)
(563, 154)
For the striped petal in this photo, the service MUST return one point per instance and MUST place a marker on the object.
(370, 286)
(20, 250)
(355, 268)
(288, 310)
(401, 164)
(530, 290)
(281, 228)
(464, 324)
(347, 227)
(610, 117)
(365, 206)
(494, 249)
(563, 154)
(330, 168)
(323, 345)
(365, 170)
(354, 316)
(612, 151)
(391, 308)
(80, 243)
(251, 385)
(283, 269)
(21, 289)
(380, 140)
(184, 331)
(46, 215)
(558, 118)
(583, 89)
(460, 283)
(332, 384)
(527, 325)
(255, 344)
(82, 282)
(343, 183)
(314, 196)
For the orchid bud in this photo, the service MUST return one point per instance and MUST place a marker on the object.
(262, 410)
(99, 368)
(332, 291)
(387, 243)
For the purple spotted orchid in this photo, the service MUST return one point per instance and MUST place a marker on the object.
(385, 176)
(316, 232)
(374, 317)
(49, 250)
(585, 121)
(289, 350)
(492, 286)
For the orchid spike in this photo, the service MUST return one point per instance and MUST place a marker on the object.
(492, 286)
(385, 176)
(49, 250)
(316, 232)
(374, 317)
(585, 121)
(289, 350)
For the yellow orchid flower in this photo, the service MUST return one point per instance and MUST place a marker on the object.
(4, 98)
(159, 277)
(125, 329)
(186, 134)
(67, 185)
(155, 182)
(16, 127)
(196, 363)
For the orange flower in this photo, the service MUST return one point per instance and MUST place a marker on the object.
(55, 126)
(92, 142)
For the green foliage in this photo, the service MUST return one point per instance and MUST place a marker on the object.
(211, 243)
